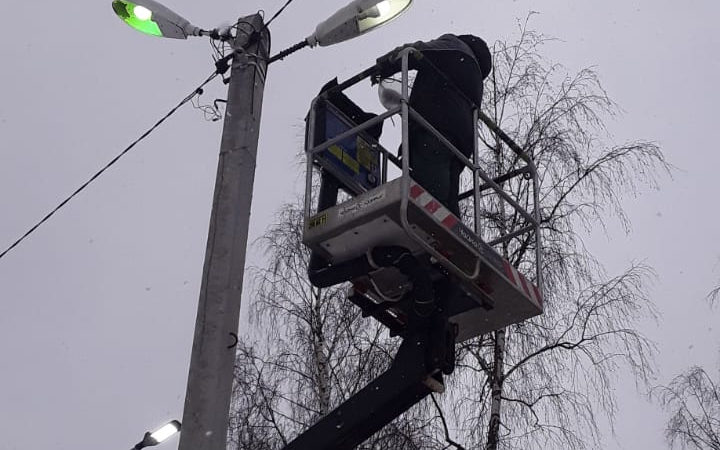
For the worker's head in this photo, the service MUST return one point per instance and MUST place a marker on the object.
(480, 50)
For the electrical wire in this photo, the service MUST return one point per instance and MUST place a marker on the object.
(211, 113)
(187, 99)
(294, 48)
(280, 11)
(218, 50)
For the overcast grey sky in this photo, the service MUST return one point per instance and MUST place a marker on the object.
(97, 308)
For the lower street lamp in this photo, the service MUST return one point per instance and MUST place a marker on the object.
(158, 436)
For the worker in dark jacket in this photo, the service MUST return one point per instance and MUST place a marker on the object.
(446, 102)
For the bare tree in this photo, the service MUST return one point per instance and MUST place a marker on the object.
(714, 295)
(693, 400)
(543, 382)
(255, 419)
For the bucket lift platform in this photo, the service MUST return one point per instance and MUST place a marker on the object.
(342, 145)
(476, 290)
(387, 216)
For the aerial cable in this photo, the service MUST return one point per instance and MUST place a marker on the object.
(222, 65)
(280, 11)
(195, 92)
(290, 50)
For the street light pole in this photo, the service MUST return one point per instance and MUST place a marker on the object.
(207, 400)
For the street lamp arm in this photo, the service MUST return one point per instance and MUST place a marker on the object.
(288, 51)
(218, 34)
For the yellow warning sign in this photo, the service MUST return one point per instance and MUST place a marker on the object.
(365, 155)
(345, 157)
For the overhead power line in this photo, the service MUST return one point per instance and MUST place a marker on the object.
(280, 11)
(195, 92)
(222, 65)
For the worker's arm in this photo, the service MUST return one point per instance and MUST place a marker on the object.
(391, 63)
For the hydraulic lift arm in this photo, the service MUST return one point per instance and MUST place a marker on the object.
(424, 355)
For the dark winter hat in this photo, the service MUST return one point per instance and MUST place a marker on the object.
(481, 51)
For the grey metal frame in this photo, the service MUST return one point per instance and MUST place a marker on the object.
(479, 175)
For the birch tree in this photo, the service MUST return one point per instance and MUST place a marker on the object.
(693, 401)
(543, 383)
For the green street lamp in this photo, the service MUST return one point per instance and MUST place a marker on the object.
(150, 17)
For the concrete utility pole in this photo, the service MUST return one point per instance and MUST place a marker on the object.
(207, 401)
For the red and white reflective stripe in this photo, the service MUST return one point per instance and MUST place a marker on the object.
(519, 280)
(432, 206)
